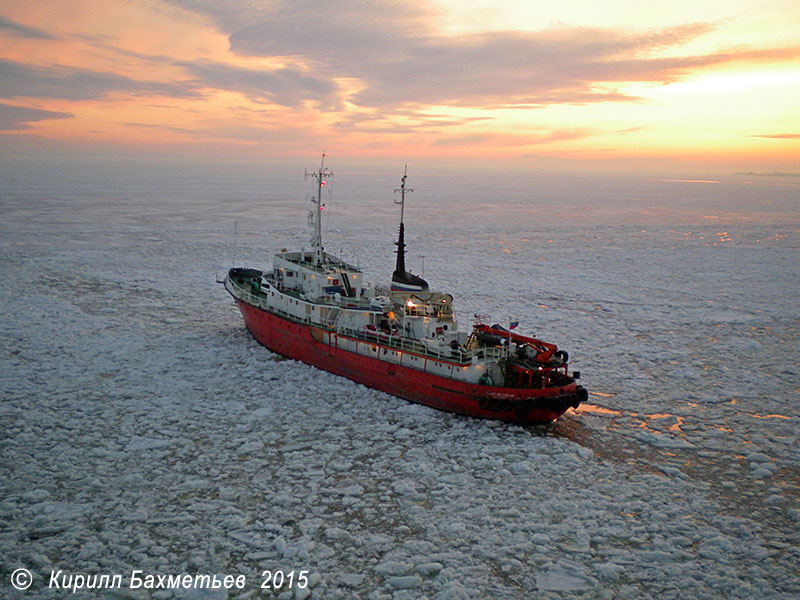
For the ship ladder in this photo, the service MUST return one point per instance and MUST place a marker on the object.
(333, 342)
(332, 318)
(347, 287)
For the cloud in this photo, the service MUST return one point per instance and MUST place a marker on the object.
(13, 118)
(162, 127)
(402, 121)
(462, 140)
(288, 86)
(18, 80)
(773, 174)
(508, 140)
(341, 33)
(24, 31)
(285, 86)
(779, 136)
(400, 57)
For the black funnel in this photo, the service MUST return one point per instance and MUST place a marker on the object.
(400, 275)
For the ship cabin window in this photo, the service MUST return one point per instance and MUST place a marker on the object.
(290, 273)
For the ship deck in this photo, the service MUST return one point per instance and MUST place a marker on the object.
(459, 357)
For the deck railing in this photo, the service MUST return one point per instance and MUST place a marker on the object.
(459, 355)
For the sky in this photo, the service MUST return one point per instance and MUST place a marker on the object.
(680, 87)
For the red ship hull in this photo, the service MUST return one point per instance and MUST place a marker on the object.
(516, 405)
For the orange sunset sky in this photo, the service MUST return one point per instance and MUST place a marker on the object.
(684, 86)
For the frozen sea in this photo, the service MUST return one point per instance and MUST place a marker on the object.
(142, 428)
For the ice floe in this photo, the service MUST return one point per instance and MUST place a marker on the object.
(143, 428)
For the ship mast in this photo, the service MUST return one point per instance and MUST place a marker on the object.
(402, 280)
(400, 267)
(320, 176)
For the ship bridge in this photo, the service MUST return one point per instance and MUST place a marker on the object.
(301, 272)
